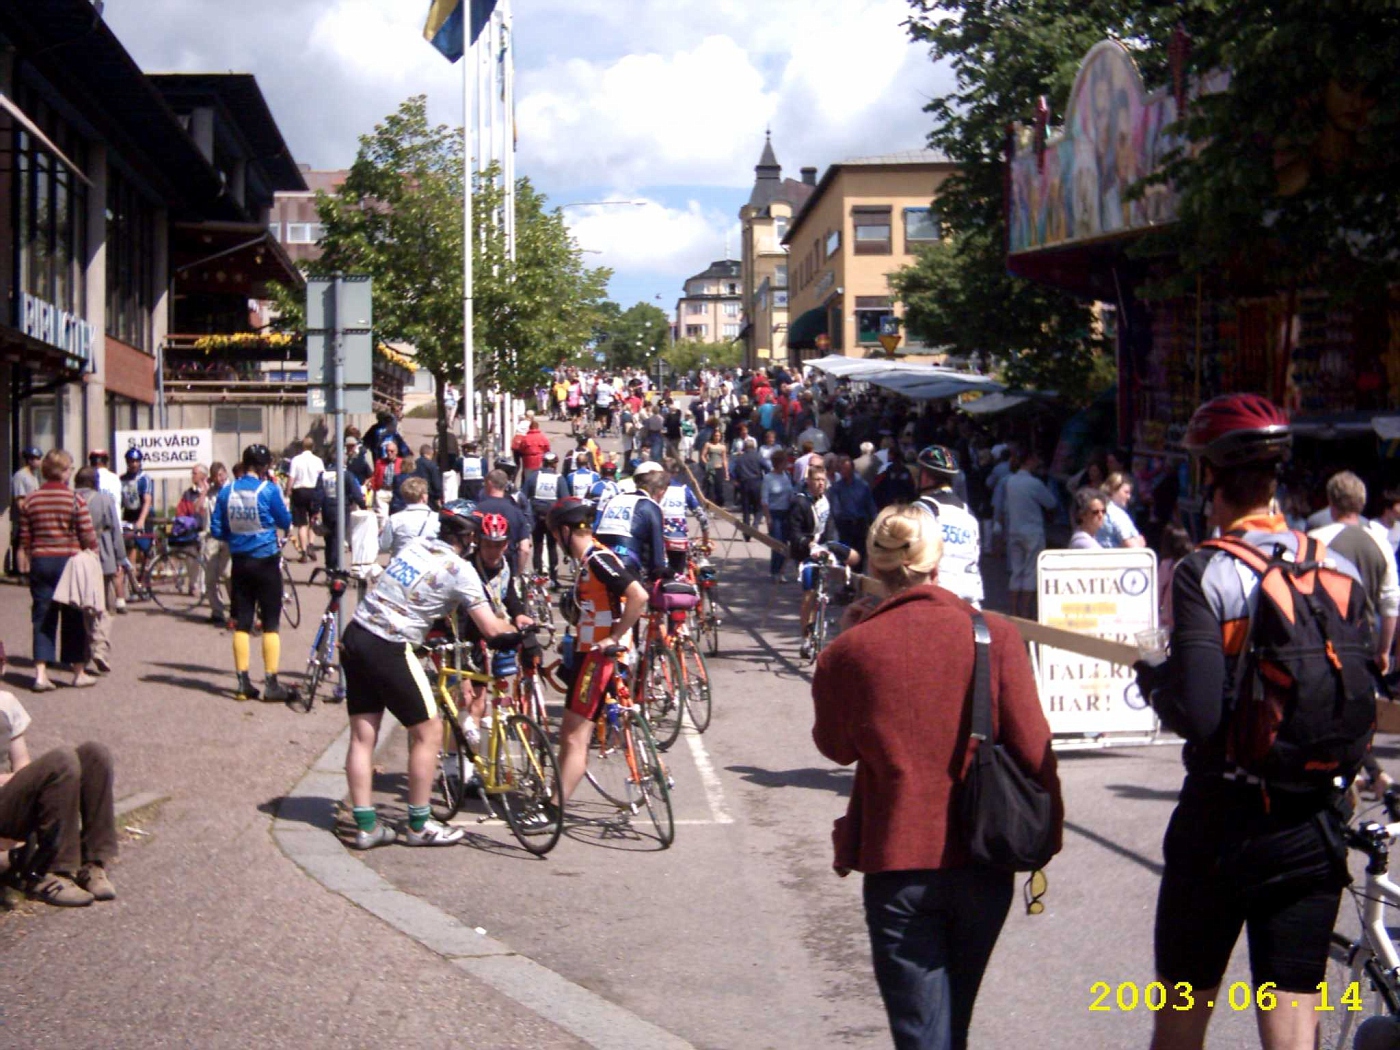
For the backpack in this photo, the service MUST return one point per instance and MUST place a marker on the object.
(1305, 682)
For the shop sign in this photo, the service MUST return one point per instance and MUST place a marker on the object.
(167, 452)
(1111, 594)
(47, 323)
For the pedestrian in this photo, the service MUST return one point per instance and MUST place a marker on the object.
(892, 704)
(776, 499)
(1089, 509)
(1119, 529)
(1025, 500)
(305, 472)
(1175, 545)
(106, 522)
(54, 525)
(715, 456)
(417, 519)
(852, 505)
(748, 471)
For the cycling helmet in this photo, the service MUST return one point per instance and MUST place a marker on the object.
(939, 459)
(463, 528)
(505, 464)
(132, 454)
(608, 469)
(493, 526)
(98, 455)
(570, 511)
(459, 506)
(1236, 430)
(255, 457)
(551, 458)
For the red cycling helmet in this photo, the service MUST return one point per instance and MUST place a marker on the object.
(494, 526)
(1236, 430)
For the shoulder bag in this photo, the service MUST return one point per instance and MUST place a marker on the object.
(1005, 815)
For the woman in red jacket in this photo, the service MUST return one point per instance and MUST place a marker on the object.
(897, 706)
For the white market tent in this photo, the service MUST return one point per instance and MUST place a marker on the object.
(918, 382)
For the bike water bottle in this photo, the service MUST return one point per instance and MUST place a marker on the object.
(566, 651)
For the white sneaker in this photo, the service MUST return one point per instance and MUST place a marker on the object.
(433, 834)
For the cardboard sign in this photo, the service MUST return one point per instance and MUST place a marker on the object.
(165, 452)
(1111, 594)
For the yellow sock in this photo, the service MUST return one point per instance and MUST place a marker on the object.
(240, 651)
(272, 652)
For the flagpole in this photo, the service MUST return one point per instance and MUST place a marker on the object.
(468, 305)
(508, 164)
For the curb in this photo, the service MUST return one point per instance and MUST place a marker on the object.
(304, 830)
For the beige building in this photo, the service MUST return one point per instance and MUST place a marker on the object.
(766, 218)
(866, 219)
(712, 308)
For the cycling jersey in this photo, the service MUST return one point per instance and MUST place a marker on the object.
(424, 582)
(631, 525)
(134, 488)
(543, 489)
(960, 570)
(581, 481)
(602, 582)
(602, 491)
(676, 502)
(248, 514)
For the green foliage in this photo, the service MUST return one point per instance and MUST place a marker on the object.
(633, 337)
(690, 354)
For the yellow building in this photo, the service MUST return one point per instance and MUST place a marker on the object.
(766, 218)
(865, 219)
(711, 310)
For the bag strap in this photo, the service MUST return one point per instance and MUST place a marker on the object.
(981, 726)
(1237, 548)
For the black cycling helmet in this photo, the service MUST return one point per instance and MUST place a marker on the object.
(570, 511)
(464, 528)
(255, 457)
(939, 459)
(463, 507)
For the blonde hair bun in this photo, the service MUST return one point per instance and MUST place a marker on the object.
(904, 545)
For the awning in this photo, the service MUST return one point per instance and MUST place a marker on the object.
(1001, 401)
(228, 258)
(802, 333)
(918, 382)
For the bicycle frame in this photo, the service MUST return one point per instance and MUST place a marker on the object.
(1379, 891)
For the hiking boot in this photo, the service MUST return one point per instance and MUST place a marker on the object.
(93, 878)
(433, 834)
(381, 835)
(61, 892)
(274, 692)
(245, 689)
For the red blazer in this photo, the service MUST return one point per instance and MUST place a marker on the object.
(892, 696)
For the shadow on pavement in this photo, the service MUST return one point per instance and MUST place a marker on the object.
(835, 780)
(199, 685)
(303, 809)
(603, 825)
(1113, 847)
(1142, 794)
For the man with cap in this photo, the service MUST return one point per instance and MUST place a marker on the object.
(631, 523)
(138, 492)
(473, 469)
(22, 483)
(960, 571)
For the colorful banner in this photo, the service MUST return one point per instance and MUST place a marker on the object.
(445, 28)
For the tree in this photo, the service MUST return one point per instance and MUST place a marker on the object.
(690, 354)
(633, 337)
(398, 218)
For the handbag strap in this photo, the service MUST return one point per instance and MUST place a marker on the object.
(981, 680)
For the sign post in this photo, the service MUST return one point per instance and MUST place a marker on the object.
(166, 453)
(889, 334)
(1111, 594)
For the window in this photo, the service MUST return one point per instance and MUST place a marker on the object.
(275, 228)
(833, 243)
(920, 226)
(870, 311)
(733, 288)
(731, 331)
(695, 308)
(238, 419)
(50, 211)
(780, 276)
(731, 309)
(872, 229)
(780, 227)
(305, 232)
(130, 247)
(695, 331)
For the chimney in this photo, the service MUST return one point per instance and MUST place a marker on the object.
(809, 176)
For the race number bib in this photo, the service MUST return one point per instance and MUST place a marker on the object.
(471, 468)
(243, 516)
(546, 487)
(410, 565)
(617, 516)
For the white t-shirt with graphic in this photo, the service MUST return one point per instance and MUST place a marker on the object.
(424, 582)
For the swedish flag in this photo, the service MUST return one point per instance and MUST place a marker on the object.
(445, 25)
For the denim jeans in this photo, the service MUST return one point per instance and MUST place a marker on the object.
(48, 617)
(776, 560)
(931, 935)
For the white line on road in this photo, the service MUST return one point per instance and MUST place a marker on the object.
(714, 790)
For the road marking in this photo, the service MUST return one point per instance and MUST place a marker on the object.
(714, 790)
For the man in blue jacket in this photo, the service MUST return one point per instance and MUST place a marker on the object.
(247, 515)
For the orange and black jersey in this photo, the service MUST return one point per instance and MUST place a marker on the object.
(602, 582)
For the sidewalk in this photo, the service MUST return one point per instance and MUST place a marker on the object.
(216, 938)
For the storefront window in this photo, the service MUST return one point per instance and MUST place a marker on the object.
(50, 235)
(130, 241)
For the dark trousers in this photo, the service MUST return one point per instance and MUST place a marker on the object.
(931, 935)
(714, 486)
(750, 500)
(69, 789)
(543, 536)
(777, 531)
(851, 532)
(48, 617)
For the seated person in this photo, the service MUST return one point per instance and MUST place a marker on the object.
(63, 799)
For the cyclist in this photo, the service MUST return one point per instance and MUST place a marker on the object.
(605, 604)
(677, 503)
(582, 478)
(247, 514)
(811, 532)
(474, 468)
(960, 570)
(542, 488)
(138, 492)
(1239, 851)
(425, 582)
(631, 524)
(606, 487)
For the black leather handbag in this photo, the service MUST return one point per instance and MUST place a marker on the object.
(1005, 816)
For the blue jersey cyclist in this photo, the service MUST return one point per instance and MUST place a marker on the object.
(811, 533)
(678, 502)
(580, 481)
(606, 487)
(247, 515)
(630, 524)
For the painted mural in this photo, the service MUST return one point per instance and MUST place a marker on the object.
(1113, 135)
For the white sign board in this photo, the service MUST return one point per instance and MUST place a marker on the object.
(167, 452)
(1109, 593)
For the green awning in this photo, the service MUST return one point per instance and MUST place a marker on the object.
(802, 333)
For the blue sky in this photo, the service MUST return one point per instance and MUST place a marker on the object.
(663, 101)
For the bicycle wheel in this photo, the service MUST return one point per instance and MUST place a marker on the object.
(697, 685)
(528, 770)
(709, 623)
(454, 770)
(1349, 963)
(608, 771)
(291, 603)
(174, 582)
(819, 629)
(319, 664)
(663, 694)
(653, 782)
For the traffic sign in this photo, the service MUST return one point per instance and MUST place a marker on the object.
(890, 342)
(357, 342)
(889, 333)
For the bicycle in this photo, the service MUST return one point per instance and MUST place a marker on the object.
(321, 664)
(820, 620)
(519, 766)
(173, 575)
(537, 600)
(624, 762)
(661, 679)
(1368, 967)
(706, 576)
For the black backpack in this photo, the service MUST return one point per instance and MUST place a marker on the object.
(1305, 681)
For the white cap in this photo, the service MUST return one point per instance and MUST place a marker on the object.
(647, 467)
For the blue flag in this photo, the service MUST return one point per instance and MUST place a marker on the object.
(444, 28)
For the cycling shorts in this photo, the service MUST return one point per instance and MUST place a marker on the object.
(255, 592)
(807, 573)
(1231, 866)
(592, 680)
(381, 675)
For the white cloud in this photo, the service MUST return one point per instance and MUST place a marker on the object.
(652, 237)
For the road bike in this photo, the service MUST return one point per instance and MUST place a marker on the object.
(624, 762)
(515, 763)
(706, 576)
(660, 680)
(1363, 973)
(173, 574)
(821, 623)
(321, 665)
(538, 605)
